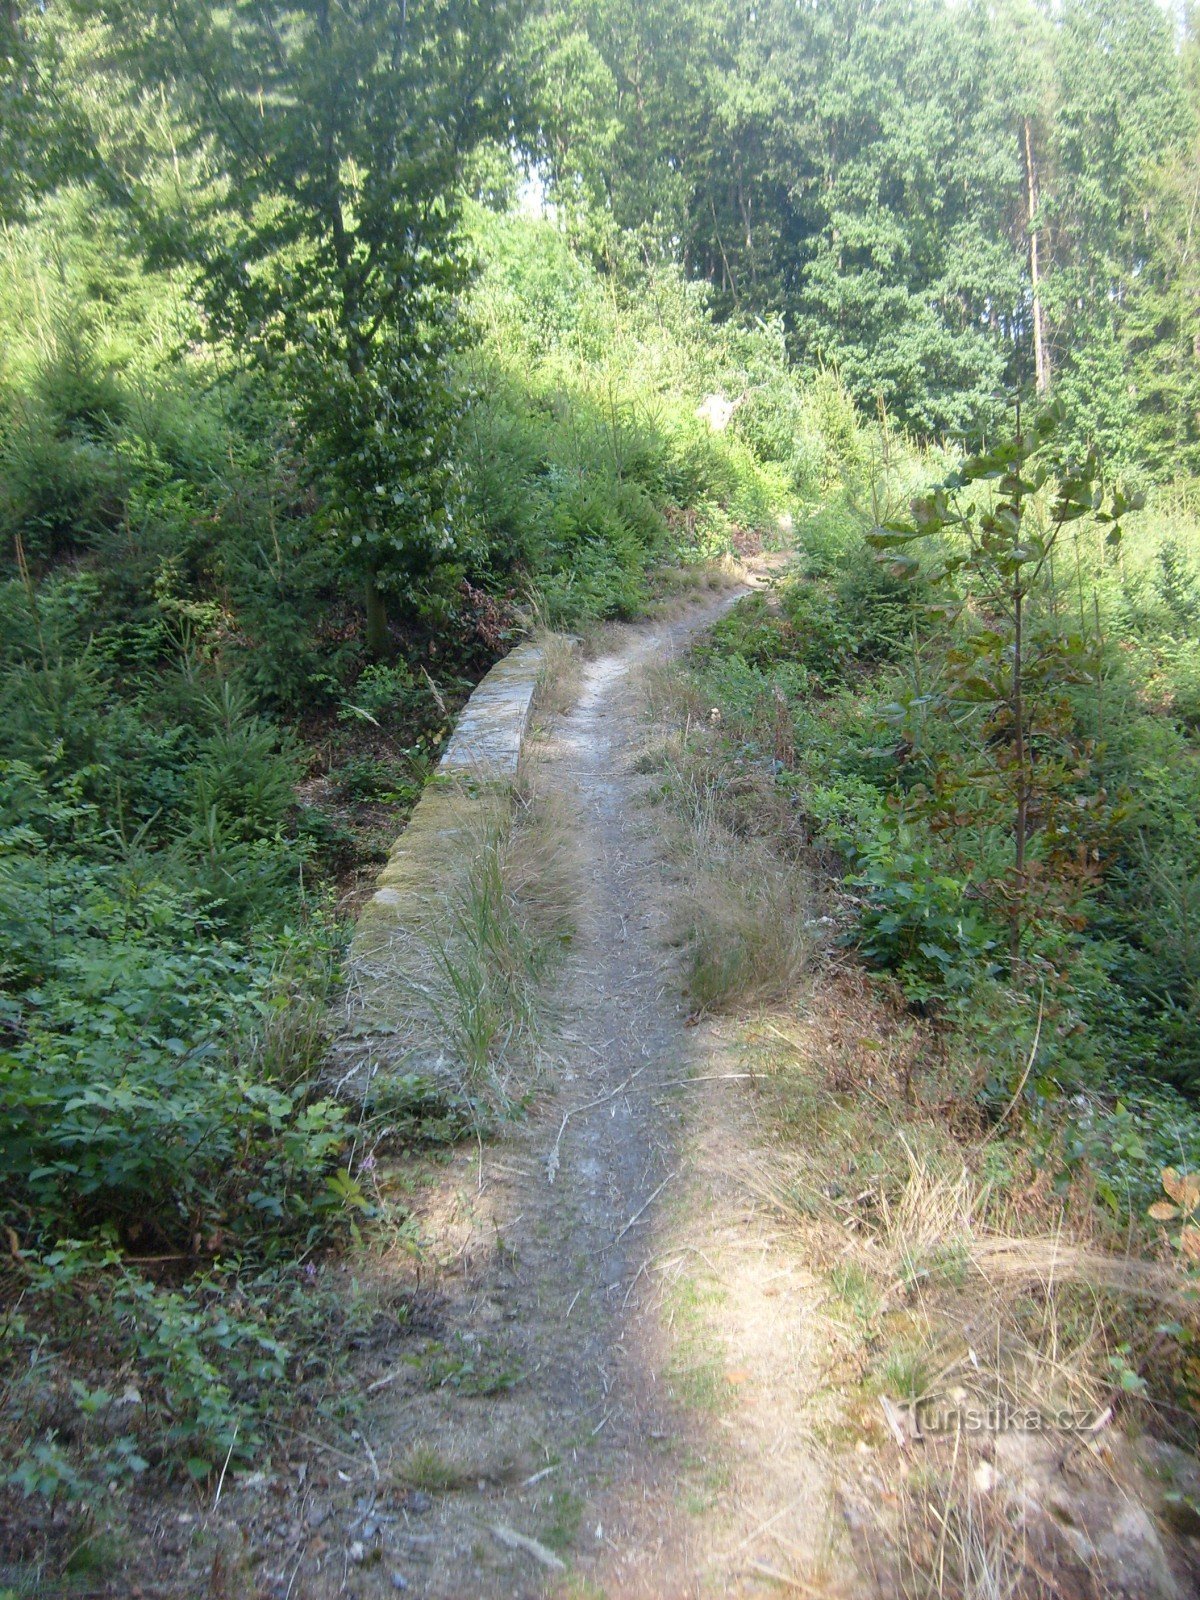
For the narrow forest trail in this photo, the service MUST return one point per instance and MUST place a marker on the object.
(595, 1272)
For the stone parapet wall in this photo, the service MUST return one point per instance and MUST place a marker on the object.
(473, 779)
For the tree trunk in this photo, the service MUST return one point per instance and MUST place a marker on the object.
(1022, 818)
(1020, 739)
(379, 639)
(1041, 351)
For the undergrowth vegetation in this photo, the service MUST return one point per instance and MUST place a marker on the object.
(964, 706)
(973, 1313)
(301, 428)
(203, 759)
(926, 792)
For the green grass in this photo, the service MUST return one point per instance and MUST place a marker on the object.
(904, 1373)
(561, 1529)
(503, 925)
(855, 1291)
(486, 1368)
(425, 1467)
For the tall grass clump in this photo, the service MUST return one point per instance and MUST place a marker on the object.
(474, 1002)
(490, 965)
(745, 914)
(744, 909)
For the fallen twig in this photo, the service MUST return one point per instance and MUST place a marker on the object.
(436, 692)
(761, 1529)
(1020, 1089)
(552, 1162)
(366, 1444)
(531, 1547)
(783, 1579)
(893, 1421)
(224, 1470)
(322, 1444)
(645, 1206)
(634, 1284)
(382, 1383)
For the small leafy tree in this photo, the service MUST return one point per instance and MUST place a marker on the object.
(326, 240)
(17, 107)
(1011, 673)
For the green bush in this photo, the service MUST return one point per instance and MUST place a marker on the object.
(126, 1011)
(918, 920)
(209, 1361)
(821, 636)
(1182, 675)
(804, 625)
(57, 494)
(77, 390)
(756, 632)
(368, 778)
(244, 772)
(598, 551)
(53, 718)
(1123, 1144)
(883, 611)
(1177, 583)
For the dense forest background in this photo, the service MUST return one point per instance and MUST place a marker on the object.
(942, 202)
(344, 342)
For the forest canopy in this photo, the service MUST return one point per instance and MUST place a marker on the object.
(942, 202)
(928, 195)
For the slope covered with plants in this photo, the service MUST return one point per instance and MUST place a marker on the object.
(232, 640)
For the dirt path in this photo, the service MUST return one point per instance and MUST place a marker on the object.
(623, 1349)
(611, 1362)
(565, 1418)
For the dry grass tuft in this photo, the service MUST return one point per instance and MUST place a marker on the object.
(750, 935)
(541, 866)
(939, 1316)
(1025, 1262)
(560, 673)
(744, 914)
(974, 1344)
(506, 923)
(427, 1468)
(677, 588)
(744, 910)
(958, 1542)
(458, 991)
(603, 639)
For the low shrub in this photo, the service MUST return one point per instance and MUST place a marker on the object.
(132, 1093)
(387, 781)
(919, 921)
